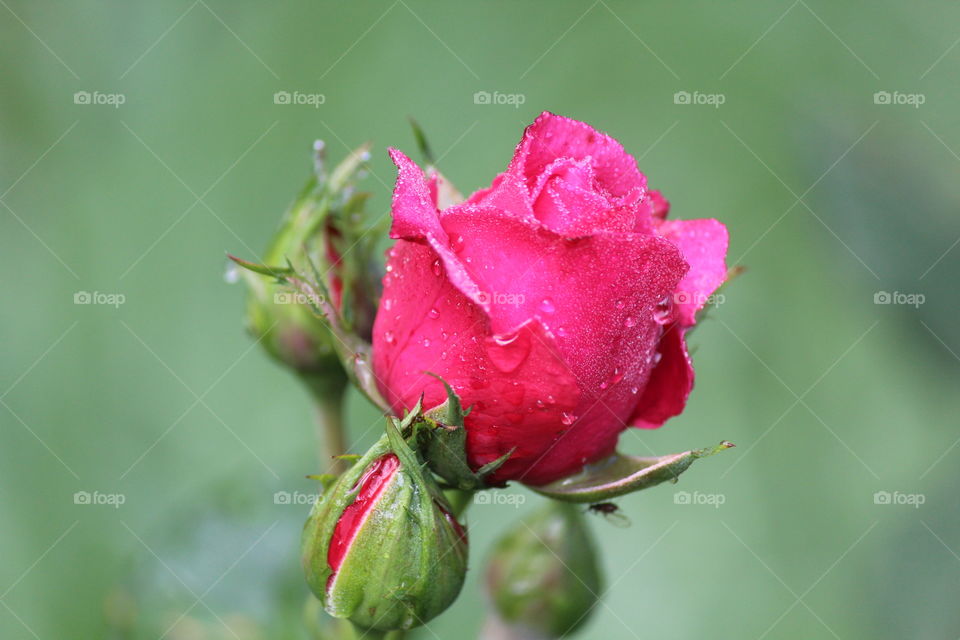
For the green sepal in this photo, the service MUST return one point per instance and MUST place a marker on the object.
(262, 269)
(446, 445)
(620, 474)
(326, 480)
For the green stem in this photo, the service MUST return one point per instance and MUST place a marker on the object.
(328, 399)
(459, 500)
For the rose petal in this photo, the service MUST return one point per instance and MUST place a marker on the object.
(517, 383)
(508, 192)
(703, 244)
(551, 137)
(596, 295)
(671, 381)
(414, 208)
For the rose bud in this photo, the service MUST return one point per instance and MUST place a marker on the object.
(555, 302)
(543, 574)
(312, 236)
(382, 547)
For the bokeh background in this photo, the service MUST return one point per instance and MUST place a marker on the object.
(832, 195)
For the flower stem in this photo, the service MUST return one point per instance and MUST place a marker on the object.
(459, 500)
(328, 397)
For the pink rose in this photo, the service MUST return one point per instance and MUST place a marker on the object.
(555, 302)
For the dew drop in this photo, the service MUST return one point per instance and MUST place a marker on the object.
(433, 313)
(389, 337)
(505, 339)
(629, 321)
(546, 305)
(617, 376)
(663, 311)
(567, 418)
(437, 269)
(619, 304)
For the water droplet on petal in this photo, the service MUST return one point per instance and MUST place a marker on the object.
(389, 337)
(619, 304)
(546, 305)
(629, 321)
(617, 376)
(663, 311)
(507, 352)
(505, 339)
(437, 269)
(433, 313)
(567, 418)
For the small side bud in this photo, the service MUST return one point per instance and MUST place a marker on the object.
(323, 222)
(543, 577)
(382, 547)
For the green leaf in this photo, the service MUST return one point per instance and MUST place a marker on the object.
(620, 474)
(421, 139)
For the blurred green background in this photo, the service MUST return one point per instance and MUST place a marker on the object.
(830, 195)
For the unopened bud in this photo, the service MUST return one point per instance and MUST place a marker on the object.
(543, 578)
(382, 547)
